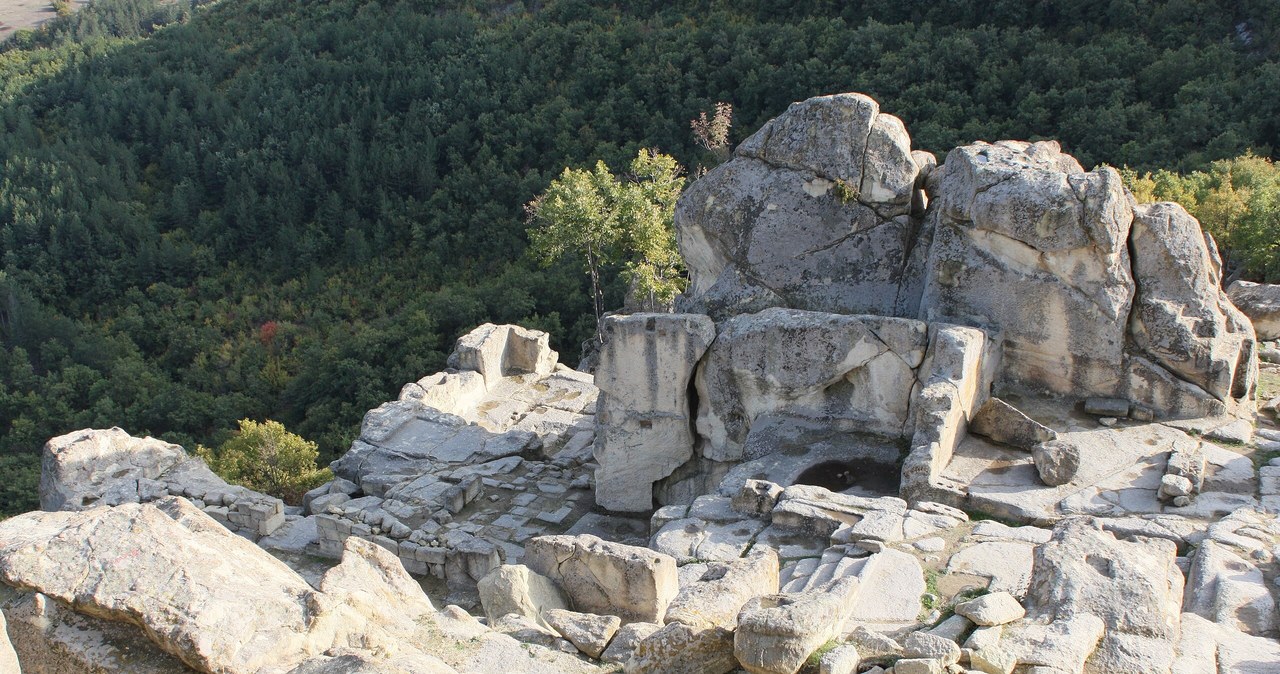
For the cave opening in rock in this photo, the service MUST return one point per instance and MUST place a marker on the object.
(863, 477)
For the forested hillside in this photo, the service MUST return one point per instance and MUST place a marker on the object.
(281, 209)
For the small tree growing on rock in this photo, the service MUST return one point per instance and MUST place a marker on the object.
(266, 457)
(610, 220)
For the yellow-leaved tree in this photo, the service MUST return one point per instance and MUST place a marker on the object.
(267, 458)
(1236, 200)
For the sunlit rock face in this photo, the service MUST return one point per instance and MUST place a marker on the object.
(827, 209)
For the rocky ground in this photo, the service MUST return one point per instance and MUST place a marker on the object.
(770, 578)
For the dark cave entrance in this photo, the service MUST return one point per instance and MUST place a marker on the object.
(859, 476)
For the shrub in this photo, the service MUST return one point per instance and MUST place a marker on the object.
(266, 457)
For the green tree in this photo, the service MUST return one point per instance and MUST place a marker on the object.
(611, 220)
(266, 457)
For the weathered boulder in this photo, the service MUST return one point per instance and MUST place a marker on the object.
(1230, 590)
(1134, 587)
(811, 213)
(925, 645)
(1057, 462)
(854, 372)
(996, 608)
(717, 596)
(757, 497)
(625, 641)
(497, 351)
(51, 638)
(1006, 424)
(8, 658)
(777, 633)
(678, 648)
(232, 608)
(633, 583)
(517, 589)
(842, 659)
(1064, 645)
(1261, 303)
(91, 468)
(209, 597)
(1027, 243)
(644, 426)
(590, 633)
(1182, 319)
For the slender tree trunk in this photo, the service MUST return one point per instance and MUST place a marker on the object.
(597, 297)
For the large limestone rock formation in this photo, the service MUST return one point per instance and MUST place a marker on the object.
(113, 589)
(1183, 323)
(504, 431)
(1025, 242)
(1090, 294)
(90, 468)
(834, 262)
(849, 372)
(1135, 587)
(644, 426)
(812, 213)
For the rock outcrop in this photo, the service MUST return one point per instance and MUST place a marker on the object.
(1261, 303)
(1134, 587)
(1090, 294)
(811, 213)
(92, 468)
(217, 603)
(873, 344)
(644, 421)
(633, 583)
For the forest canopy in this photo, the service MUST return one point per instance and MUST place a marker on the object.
(277, 209)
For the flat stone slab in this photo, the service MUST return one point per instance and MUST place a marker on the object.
(1120, 472)
(1006, 563)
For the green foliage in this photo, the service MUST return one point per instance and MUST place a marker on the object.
(267, 458)
(177, 175)
(845, 192)
(608, 220)
(812, 662)
(1236, 200)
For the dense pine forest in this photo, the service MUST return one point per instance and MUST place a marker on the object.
(280, 209)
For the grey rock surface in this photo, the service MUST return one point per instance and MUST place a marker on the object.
(777, 632)
(644, 428)
(1006, 424)
(847, 371)
(1182, 318)
(633, 583)
(1261, 303)
(517, 589)
(678, 648)
(590, 633)
(1134, 587)
(717, 595)
(811, 213)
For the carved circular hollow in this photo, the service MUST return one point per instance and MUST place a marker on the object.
(863, 475)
